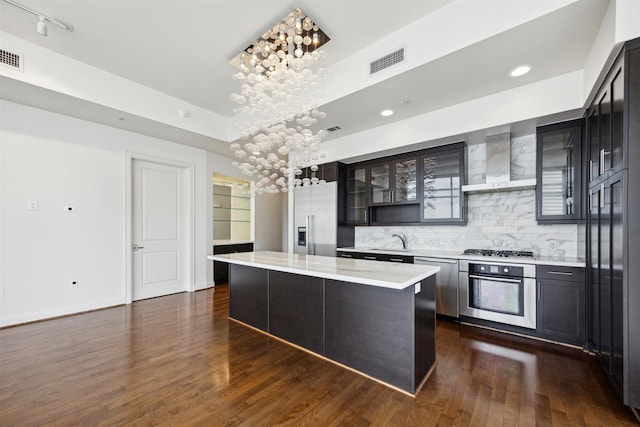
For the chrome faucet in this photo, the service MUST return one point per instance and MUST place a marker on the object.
(403, 239)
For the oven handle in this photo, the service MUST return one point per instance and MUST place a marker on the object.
(495, 279)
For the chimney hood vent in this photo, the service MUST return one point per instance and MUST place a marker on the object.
(498, 164)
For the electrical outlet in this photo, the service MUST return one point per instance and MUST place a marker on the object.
(454, 243)
(32, 205)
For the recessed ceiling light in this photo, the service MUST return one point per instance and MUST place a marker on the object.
(520, 71)
(386, 113)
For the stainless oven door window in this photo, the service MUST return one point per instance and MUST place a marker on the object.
(526, 320)
(500, 296)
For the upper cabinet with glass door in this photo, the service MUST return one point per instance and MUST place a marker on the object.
(394, 182)
(559, 172)
(443, 176)
(357, 195)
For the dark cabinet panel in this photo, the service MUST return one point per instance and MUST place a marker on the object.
(407, 259)
(326, 171)
(221, 269)
(248, 296)
(296, 309)
(559, 172)
(561, 304)
(357, 317)
(605, 118)
(613, 123)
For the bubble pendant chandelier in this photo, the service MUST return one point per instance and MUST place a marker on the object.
(279, 89)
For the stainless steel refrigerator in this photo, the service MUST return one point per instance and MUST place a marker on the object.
(316, 219)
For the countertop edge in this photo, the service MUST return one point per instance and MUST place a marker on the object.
(457, 255)
(431, 270)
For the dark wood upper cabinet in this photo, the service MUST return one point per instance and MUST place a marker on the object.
(357, 188)
(442, 200)
(413, 188)
(394, 182)
(559, 173)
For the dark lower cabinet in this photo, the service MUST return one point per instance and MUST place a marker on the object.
(369, 328)
(407, 259)
(561, 304)
(221, 269)
(296, 309)
(249, 296)
(372, 337)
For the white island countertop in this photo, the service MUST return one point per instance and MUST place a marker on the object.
(375, 273)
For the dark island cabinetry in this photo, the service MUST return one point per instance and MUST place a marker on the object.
(221, 269)
(385, 332)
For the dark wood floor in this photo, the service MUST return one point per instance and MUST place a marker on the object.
(178, 360)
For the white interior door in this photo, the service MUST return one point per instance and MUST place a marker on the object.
(160, 225)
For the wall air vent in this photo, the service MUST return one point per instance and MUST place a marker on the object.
(10, 59)
(386, 61)
(333, 128)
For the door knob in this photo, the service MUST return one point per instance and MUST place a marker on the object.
(136, 247)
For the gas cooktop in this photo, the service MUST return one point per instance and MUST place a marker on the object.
(499, 253)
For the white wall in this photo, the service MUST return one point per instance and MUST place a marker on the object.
(58, 161)
(59, 73)
(555, 95)
(268, 222)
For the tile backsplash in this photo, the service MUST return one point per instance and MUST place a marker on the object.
(496, 220)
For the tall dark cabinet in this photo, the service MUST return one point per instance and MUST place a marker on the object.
(613, 223)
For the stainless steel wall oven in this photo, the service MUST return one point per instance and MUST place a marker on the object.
(498, 291)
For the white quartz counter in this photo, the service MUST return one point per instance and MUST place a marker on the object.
(374, 273)
(560, 261)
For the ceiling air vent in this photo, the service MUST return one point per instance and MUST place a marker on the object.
(386, 61)
(333, 128)
(10, 59)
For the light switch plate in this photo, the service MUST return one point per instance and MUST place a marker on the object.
(417, 288)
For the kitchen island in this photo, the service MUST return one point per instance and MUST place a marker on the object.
(372, 317)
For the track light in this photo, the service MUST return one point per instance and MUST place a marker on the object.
(41, 27)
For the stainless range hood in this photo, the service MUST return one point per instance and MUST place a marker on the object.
(498, 164)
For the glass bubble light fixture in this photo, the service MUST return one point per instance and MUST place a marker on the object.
(280, 85)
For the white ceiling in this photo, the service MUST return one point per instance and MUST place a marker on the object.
(182, 48)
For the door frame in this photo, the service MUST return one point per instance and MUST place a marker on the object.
(189, 168)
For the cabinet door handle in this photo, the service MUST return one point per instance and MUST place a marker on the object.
(371, 258)
(560, 273)
(602, 195)
(590, 170)
(396, 259)
(602, 154)
(346, 256)
(538, 290)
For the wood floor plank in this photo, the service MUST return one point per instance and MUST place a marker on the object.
(179, 360)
